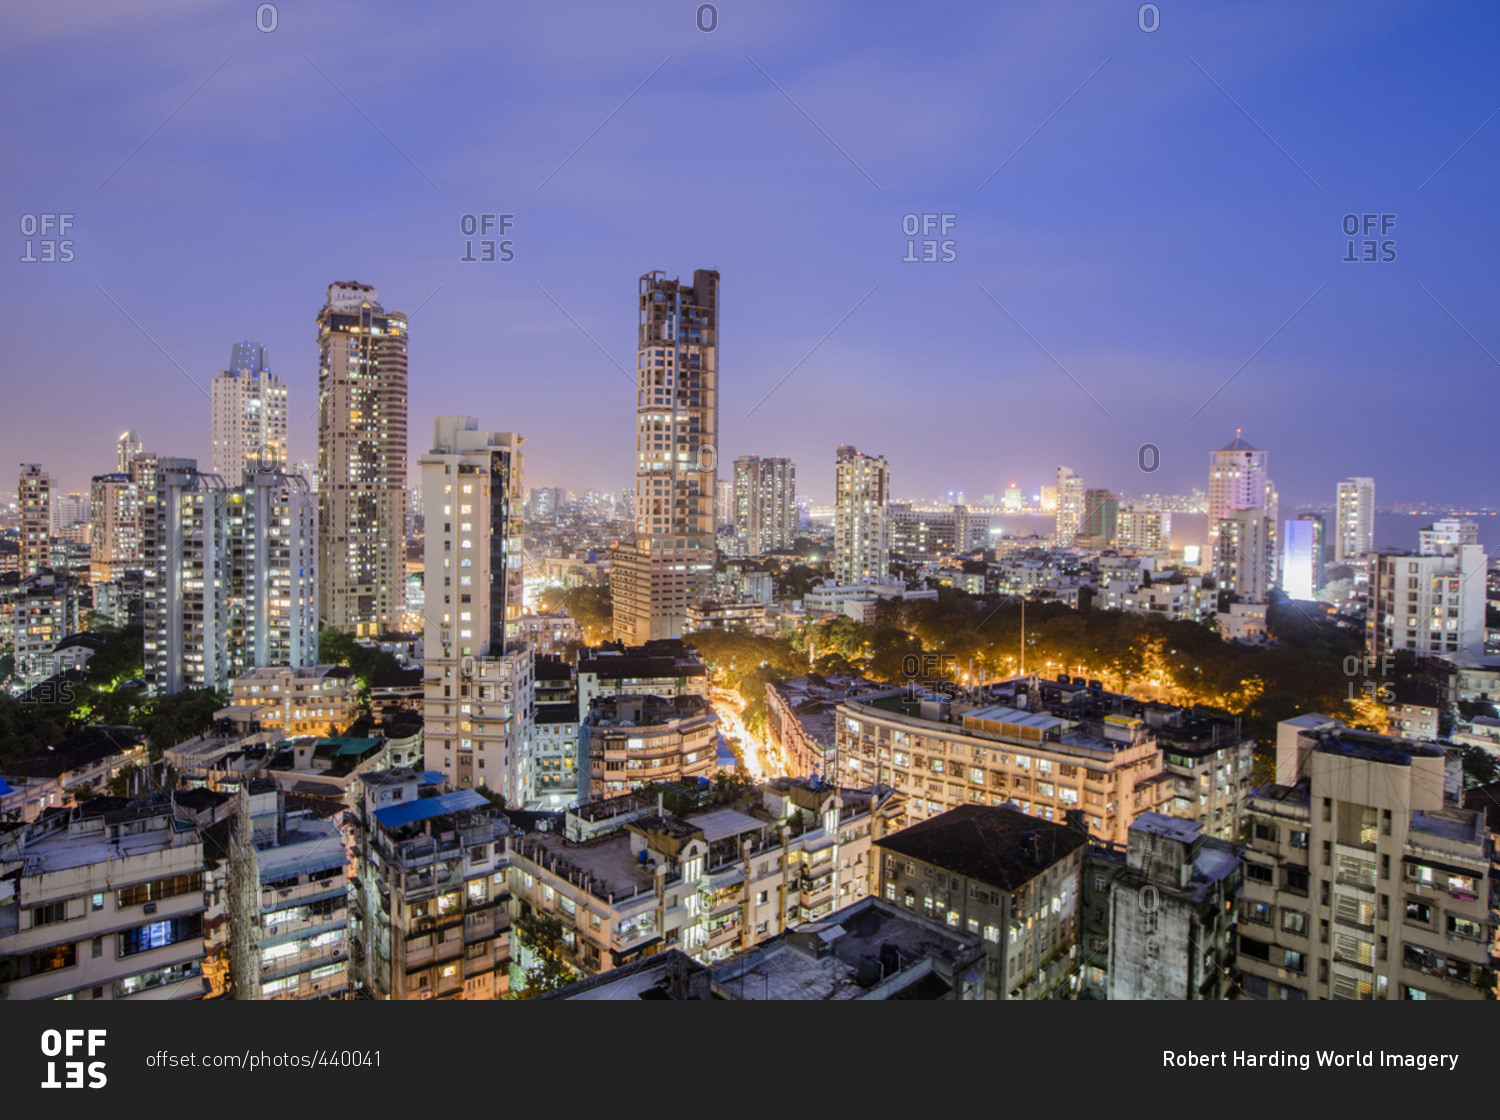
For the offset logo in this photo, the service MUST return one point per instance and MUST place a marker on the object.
(67, 1044)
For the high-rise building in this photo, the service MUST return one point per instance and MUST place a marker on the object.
(249, 415)
(765, 503)
(1319, 548)
(724, 502)
(361, 462)
(115, 543)
(34, 496)
(1364, 878)
(1355, 533)
(1442, 538)
(669, 564)
(478, 699)
(1430, 601)
(1101, 514)
(127, 447)
(1299, 559)
(69, 510)
(1241, 555)
(230, 580)
(1144, 529)
(1069, 506)
(861, 526)
(1240, 490)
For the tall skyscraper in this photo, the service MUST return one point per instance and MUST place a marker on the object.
(126, 449)
(249, 415)
(230, 582)
(669, 565)
(1431, 601)
(34, 495)
(765, 503)
(1319, 548)
(115, 546)
(1240, 490)
(1069, 506)
(861, 521)
(1298, 563)
(361, 462)
(478, 701)
(1355, 532)
(1101, 512)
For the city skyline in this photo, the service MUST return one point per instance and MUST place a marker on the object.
(1214, 265)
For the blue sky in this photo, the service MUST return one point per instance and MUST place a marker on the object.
(1147, 238)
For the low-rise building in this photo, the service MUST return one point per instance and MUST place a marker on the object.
(665, 667)
(869, 950)
(944, 753)
(429, 914)
(289, 905)
(1171, 913)
(78, 767)
(801, 719)
(632, 741)
(103, 901)
(306, 700)
(627, 876)
(1000, 875)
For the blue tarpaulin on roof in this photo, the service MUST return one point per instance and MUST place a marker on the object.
(394, 816)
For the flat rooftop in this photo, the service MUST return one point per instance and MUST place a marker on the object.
(856, 937)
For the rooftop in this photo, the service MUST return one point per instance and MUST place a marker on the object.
(998, 845)
(848, 954)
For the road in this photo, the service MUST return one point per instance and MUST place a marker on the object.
(757, 756)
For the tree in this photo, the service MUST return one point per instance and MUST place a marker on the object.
(491, 796)
(542, 937)
(1480, 767)
(178, 718)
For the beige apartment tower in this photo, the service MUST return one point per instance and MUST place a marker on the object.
(249, 416)
(34, 495)
(861, 518)
(669, 565)
(361, 462)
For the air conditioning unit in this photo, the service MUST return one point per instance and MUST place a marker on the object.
(149, 908)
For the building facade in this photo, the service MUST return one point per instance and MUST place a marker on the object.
(669, 563)
(1364, 878)
(249, 415)
(861, 526)
(34, 497)
(230, 583)
(765, 503)
(361, 487)
(1354, 534)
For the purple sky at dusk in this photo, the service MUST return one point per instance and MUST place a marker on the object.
(1147, 238)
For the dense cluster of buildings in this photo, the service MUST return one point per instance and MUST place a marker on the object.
(523, 808)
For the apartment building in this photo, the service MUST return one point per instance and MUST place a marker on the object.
(318, 700)
(669, 564)
(289, 901)
(249, 415)
(1172, 913)
(665, 667)
(230, 579)
(428, 915)
(1003, 876)
(764, 513)
(79, 766)
(1432, 602)
(946, 753)
(478, 692)
(1364, 878)
(630, 741)
(1210, 758)
(869, 950)
(801, 715)
(861, 524)
(103, 901)
(44, 611)
(361, 489)
(115, 537)
(627, 877)
(34, 497)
